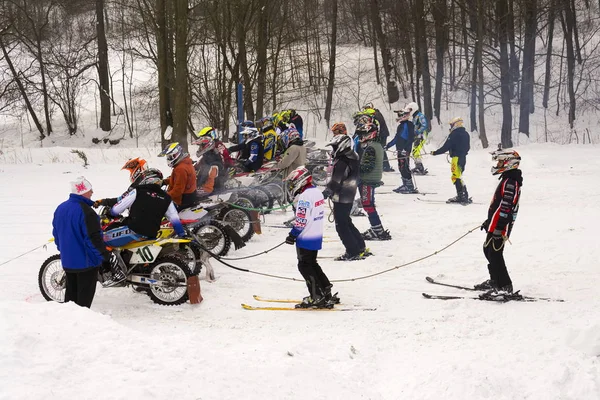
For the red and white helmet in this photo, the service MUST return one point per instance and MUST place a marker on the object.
(367, 132)
(205, 144)
(297, 180)
(505, 160)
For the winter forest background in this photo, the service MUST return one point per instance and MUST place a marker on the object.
(135, 67)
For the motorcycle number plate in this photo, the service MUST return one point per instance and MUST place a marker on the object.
(145, 254)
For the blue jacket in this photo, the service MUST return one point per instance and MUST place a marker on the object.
(405, 136)
(77, 234)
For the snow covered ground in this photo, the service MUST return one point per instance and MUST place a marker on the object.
(126, 347)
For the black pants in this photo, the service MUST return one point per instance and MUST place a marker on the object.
(81, 286)
(496, 266)
(403, 166)
(349, 235)
(316, 280)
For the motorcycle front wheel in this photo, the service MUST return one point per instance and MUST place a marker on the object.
(174, 272)
(52, 279)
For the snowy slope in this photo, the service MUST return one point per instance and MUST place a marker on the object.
(125, 347)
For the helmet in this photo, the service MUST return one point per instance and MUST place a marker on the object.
(339, 128)
(411, 107)
(267, 123)
(151, 176)
(293, 113)
(249, 133)
(297, 180)
(135, 166)
(456, 122)
(341, 144)
(174, 153)
(289, 136)
(247, 123)
(367, 132)
(403, 115)
(362, 119)
(506, 159)
(208, 131)
(204, 145)
(368, 105)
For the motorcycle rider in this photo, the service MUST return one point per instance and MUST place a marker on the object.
(295, 152)
(220, 147)
(210, 171)
(251, 149)
(182, 182)
(147, 204)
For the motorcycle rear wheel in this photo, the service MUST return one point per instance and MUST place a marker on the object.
(213, 237)
(239, 220)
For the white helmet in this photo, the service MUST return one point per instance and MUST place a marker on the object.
(412, 107)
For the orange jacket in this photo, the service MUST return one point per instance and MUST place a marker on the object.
(209, 184)
(182, 180)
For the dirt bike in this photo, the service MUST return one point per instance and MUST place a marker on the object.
(148, 265)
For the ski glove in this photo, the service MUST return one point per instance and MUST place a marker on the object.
(98, 203)
(291, 239)
(484, 225)
(327, 193)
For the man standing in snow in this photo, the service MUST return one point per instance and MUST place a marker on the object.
(458, 145)
(77, 234)
(501, 218)
(307, 233)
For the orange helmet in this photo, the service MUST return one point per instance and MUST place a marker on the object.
(135, 166)
(339, 129)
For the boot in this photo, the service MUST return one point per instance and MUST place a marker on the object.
(317, 302)
(485, 285)
(331, 298)
(419, 169)
(463, 197)
(348, 257)
(377, 233)
(407, 187)
(459, 189)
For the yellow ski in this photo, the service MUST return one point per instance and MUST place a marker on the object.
(249, 307)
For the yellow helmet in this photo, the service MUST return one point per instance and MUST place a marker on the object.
(208, 131)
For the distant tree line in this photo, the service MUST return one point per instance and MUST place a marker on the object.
(528, 55)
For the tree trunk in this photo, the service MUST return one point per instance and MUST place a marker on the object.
(527, 103)
(261, 54)
(386, 57)
(566, 21)
(180, 109)
(105, 124)
(551, 18)
(163, 62)
(506, 131)
(421, 41)
(17, 79)
(481, 97)
(514, 61)
(332, 59)
(440, 15)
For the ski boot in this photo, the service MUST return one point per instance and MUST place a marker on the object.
(348, 257)
(376, 234)
(502, 294)
(485, 285)
(318, 302)
(407, 187)
(419, 169)
(331, 298)
(366, 252)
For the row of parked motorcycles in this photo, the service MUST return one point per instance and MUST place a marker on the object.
(161, 267)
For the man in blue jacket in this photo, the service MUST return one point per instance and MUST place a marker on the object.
(458, 144)
(77, 234)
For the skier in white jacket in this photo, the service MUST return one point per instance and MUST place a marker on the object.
(307, 233)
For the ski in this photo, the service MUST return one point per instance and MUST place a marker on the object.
(249, 307)
(471, 289)
(270, 300)
(431, 280)
(499, 300)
